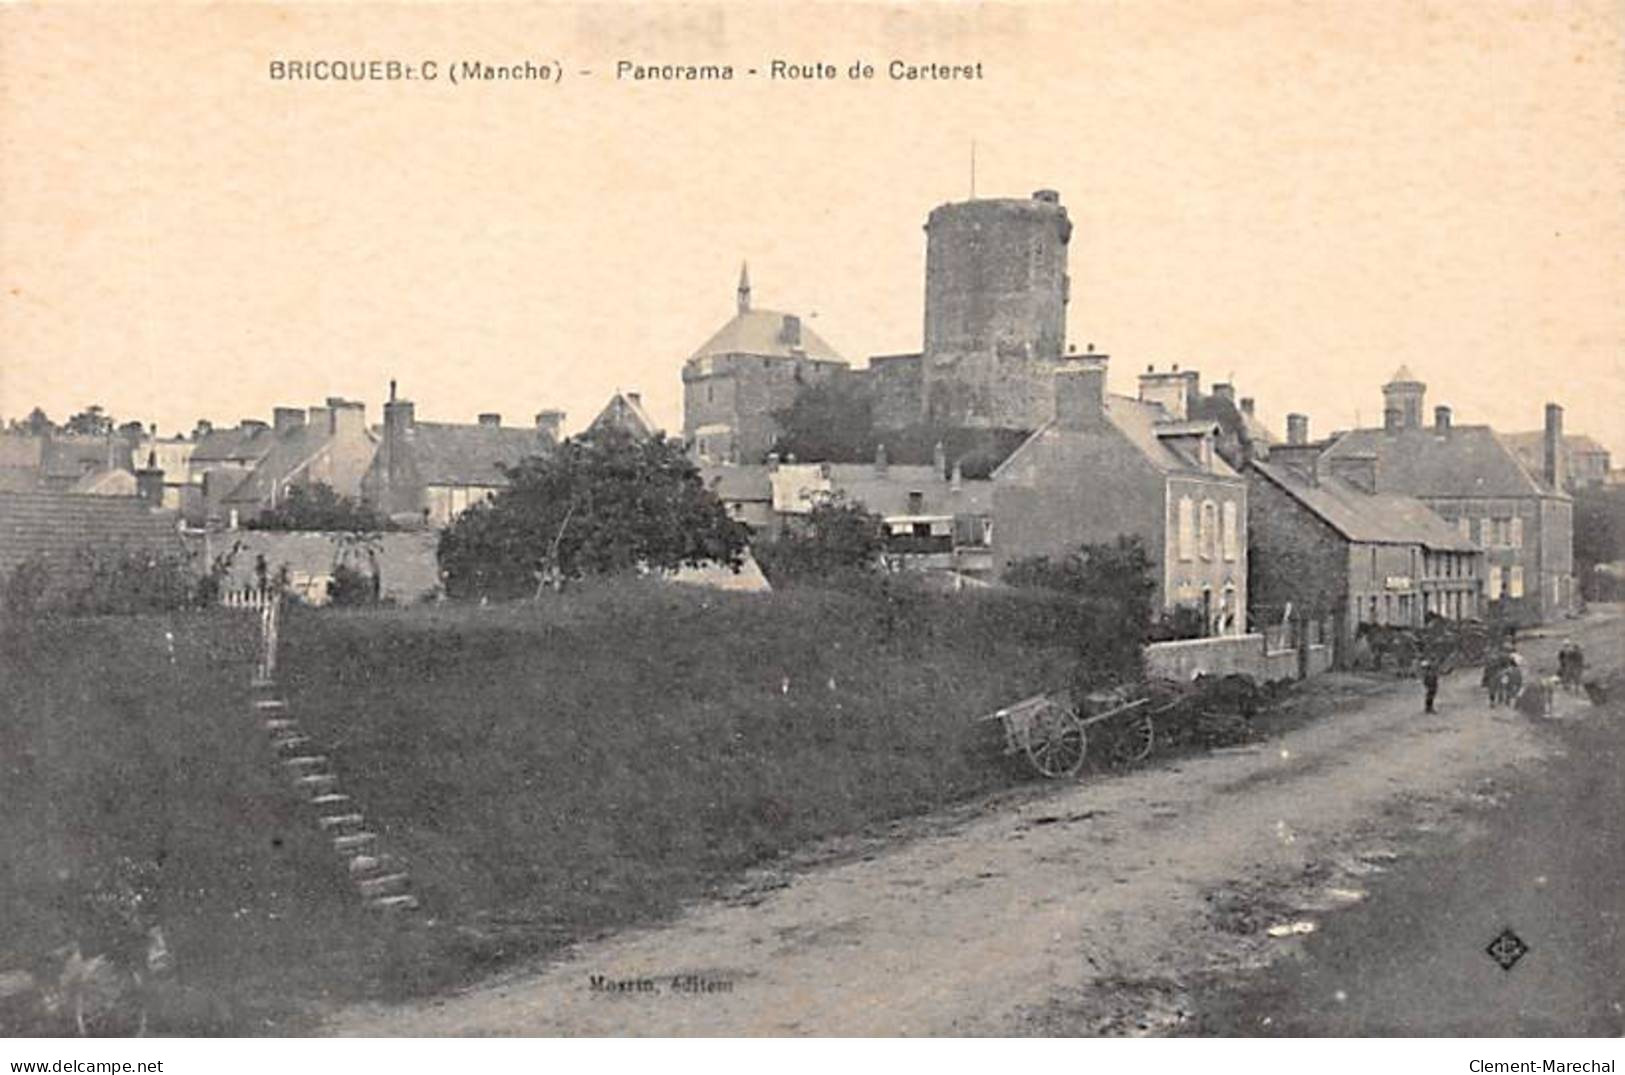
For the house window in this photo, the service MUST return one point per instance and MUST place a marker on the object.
(1210, 521)
(1187, 528)
(1515, 538)
(1515, 580)
(1230, 537)
(916, 503)
(1465, 525)
(1492, 590)
(710, 393)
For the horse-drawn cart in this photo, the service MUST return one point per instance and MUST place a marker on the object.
(1127, 724)
(1048, 729)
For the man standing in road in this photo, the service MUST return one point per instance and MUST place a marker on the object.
(1429, 669)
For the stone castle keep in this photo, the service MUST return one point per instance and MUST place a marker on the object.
(996, 293)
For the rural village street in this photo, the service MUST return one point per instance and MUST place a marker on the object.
(1109, 906)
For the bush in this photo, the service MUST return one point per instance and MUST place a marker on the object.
(318, 507)
(839, 538)
(103, 582)
(1110, 585)
(351, 587)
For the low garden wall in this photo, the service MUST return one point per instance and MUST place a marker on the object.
(1236, 654)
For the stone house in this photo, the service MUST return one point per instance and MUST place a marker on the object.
(1107, 466)
(1471, 478)
(625, 412)
(1329, 549)
(221, 460)
(747, 492)
(751, 367)
(934, 517)
(428, 473)
(330, 445)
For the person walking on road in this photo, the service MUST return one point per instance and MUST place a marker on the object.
(1430, 682)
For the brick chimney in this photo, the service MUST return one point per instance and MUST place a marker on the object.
(635, 398)
(1441, 419)
(1225, 391)
(346, 416)
(1247, 406)
(1170, 390)
(549, 424)
(1080, 393)
(399, 415)
(491, 420)
(1297, 429)
(286, 419)
(1552, 468)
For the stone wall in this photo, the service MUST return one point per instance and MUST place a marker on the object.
(1238, 655)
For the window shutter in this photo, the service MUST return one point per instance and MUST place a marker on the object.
(1493, 593)
(1187, 528)
(1515, 581)
(1517, 532)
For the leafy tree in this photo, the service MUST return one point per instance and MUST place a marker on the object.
(833, 420)
(592, 506)
(1599, 536)
(1113, 584)
(38, 423)
(92, 422)
(318, 507)
(839, 536)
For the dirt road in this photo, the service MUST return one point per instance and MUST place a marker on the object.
(1093, 909)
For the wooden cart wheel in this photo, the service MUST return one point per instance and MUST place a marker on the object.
(1133, 740)
(1056, 743)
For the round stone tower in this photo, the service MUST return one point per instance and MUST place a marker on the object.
(995, 310)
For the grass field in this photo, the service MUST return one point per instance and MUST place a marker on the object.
(558, 768)
(548, 770)
(119, 745)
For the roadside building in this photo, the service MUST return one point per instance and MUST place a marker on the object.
(1471, 478)
(1329, 549)
(751, 367)
(428, 473)
(1107, 466)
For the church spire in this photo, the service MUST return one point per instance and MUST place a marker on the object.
(744, 287)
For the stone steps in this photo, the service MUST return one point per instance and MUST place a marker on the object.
(381, 880)
(306, 761)
(394, 903)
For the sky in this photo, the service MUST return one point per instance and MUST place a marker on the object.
(1296, 197)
